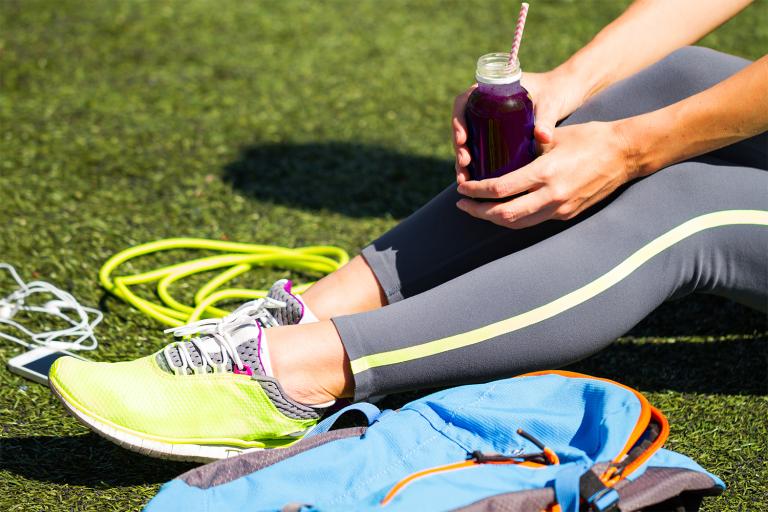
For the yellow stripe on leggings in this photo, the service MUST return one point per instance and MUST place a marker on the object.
(566, 302)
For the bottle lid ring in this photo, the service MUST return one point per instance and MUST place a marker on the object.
(496, 68)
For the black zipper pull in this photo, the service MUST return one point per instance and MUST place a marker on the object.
(547, 454)
(482, 458)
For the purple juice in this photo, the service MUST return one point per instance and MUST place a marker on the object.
(499, 117)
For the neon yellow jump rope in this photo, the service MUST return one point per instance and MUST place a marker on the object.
(235, 259)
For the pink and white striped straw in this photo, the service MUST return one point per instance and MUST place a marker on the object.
(518, 32)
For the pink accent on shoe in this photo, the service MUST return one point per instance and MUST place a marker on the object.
(258, 354)
(245, 371)
(287, 287)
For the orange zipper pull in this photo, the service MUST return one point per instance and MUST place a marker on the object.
(549, 455)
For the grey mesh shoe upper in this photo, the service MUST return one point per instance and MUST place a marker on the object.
(246, 336)
(293, 311)
(239, 333)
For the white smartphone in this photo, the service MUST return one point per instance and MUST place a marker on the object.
(36, 363)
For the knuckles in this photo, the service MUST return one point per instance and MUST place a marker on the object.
(559, 193)
(547, 173)
(508, 215)
(498, 189)
(565, 211)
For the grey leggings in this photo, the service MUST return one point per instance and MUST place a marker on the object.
(470, 301)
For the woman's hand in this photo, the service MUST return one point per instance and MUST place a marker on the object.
(582, 165)
(556, 94)
(459, 131)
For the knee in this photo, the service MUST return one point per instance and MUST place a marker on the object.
(682, 73)
(687, 70)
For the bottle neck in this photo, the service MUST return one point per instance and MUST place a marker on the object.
(498, 69)
(499, 89)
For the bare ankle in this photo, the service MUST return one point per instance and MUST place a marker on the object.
(310, 362)
(353, 288)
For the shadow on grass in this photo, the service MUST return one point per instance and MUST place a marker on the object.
(729, 367)
(86, 460)
(699, 344)
(703, 316)
(732, 367)
(353, 179)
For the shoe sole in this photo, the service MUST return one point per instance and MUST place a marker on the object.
(168, 451)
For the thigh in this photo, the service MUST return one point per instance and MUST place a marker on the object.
(682, 74)
(439, 242)
(690, 227)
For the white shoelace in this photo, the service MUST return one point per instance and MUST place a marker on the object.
(219, 330)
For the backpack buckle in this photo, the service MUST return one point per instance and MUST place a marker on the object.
(606, 500)
(598, 496)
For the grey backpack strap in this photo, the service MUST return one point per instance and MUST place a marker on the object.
(534, 499)
(661, 488)
(682, 489)
(223, 471)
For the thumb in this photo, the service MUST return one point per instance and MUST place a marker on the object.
(546, 118)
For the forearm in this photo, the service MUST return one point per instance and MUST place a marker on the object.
(645, 33)
(728, 112)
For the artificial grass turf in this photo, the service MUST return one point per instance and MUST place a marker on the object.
(294, 124)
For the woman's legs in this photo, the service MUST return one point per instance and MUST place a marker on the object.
(692, 227)
(489, 322)
(351, 289)
(439, 242)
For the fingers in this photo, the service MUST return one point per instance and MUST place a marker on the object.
(504, 186)
(462, 161)
(458, 124)
(462, 156)
(462, 174)
(523, 211)
(459, 129)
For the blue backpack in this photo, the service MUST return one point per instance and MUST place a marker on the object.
(546, 441)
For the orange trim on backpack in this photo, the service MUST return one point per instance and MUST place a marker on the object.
(645, 407)
(445, 468)
(420, 474)
(647, 413)
(657, 443)
(551, 456)
(609, 477)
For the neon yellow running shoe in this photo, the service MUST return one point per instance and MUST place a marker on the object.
(203, 399)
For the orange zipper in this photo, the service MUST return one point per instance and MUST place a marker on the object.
(609, 477)
(399, 486)
(647, 412)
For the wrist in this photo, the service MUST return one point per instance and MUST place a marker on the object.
(585, 79)
(637, 146)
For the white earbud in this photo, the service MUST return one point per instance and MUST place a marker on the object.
(54, 306)
(81, 319)
(7, 310)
